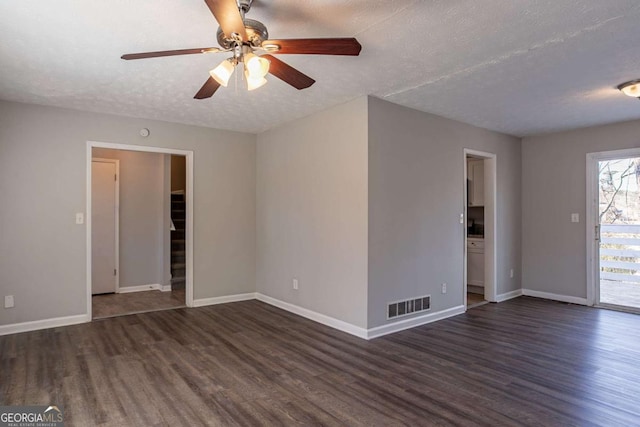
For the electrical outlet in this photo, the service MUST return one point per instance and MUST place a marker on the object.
(511, 273)
(8, 301)
(444, 288)
(295, 284)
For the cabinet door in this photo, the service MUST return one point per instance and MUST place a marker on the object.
(476, 176)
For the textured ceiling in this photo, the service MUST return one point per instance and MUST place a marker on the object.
(522, 67)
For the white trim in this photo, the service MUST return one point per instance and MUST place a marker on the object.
(413, 322)
(490, 220)
(202, 302)
(189, 230)
(592, 217)
(144, 148)
(509, 295)
(117, 214)
(315, 316)
(189, 207)
(300, 311)
(593, 262)
(35, 325)
(554, 297)
(142, 288)
(87, 221)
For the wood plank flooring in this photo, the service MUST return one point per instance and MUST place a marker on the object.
(523, 362)
(474, 300)
(109, 305)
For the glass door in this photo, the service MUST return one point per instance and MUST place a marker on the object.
(618, 232)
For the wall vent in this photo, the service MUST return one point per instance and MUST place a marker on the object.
(410, 306)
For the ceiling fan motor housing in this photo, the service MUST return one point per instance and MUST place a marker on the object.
(256, 34)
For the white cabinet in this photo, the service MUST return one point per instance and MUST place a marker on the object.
(475, 175)
(475, 262)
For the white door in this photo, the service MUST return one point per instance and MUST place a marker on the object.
(103, 226)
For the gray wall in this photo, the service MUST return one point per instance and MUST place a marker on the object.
(43, 184)
(142, 216)
(312, 212)
(554, 184)
(416, 195)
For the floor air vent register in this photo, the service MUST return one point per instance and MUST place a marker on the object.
(410, 306)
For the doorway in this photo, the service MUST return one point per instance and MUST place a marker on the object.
(613, 230)
(146, 214)
(479, 221)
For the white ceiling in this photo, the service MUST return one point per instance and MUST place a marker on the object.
(522, 67)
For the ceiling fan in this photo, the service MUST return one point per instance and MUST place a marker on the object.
(248, 42)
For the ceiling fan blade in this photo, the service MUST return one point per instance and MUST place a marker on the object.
(228, 16)
(170, 53)
(288, 74)
(208, 89)
(339, 46)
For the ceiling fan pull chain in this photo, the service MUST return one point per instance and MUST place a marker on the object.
(236, 77)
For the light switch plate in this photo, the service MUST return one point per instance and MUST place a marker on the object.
(8, 301)
(79, 218)
(575, 217)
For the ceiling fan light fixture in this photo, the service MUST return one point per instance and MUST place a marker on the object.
(254, 82)
(222, 73)
(631, 88)
(256, 66)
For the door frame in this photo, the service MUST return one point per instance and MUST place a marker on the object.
(117, 214)
(592, 209)
(189, 155)
(490, 224)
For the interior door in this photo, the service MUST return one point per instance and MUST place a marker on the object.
(103, 227)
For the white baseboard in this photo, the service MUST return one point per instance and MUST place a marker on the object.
(315, 316)
(555, 297)
(413, 322)
(509, 295)
(142, 288)
(223, 300)
(300, 311)
(35, 325)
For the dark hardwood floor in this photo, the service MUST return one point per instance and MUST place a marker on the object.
(521, 362)
(109, 305)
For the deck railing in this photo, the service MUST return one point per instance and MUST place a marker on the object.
(620, 252)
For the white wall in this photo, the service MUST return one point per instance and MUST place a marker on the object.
(43, 185)
(416, 196)
(312, 212)
(142, 216)
(554, 185)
